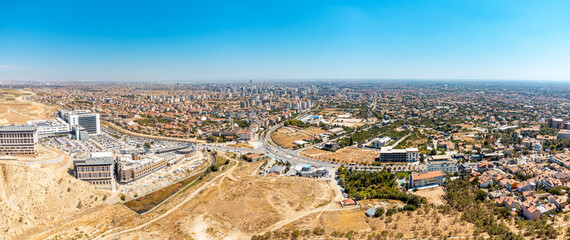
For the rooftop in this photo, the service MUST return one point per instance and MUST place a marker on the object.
(17, 128)
(103, 160)
(391, 150)
(425, 175)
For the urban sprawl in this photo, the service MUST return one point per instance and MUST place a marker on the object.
(509, 141)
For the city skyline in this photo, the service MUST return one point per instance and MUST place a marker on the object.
(448, 40)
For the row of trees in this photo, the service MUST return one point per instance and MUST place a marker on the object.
(297, 123)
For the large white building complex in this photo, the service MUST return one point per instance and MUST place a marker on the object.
(388, 154)
(51, 127)
(18, 140)
(90, 122)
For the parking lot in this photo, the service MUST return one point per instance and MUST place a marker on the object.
(164, 177)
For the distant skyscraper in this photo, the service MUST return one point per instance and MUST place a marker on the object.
(250, 81)
(556, 123)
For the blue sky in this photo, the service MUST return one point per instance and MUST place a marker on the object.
(238, 40)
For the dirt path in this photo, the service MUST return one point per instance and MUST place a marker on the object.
(188, 198)
(332, 206)
(399, 141)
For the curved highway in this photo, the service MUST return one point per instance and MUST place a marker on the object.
(269, 148)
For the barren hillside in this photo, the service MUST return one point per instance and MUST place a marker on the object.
(34, 197)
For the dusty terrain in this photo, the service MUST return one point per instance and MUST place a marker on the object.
(11, 94)
(241, 204)
(403, 224)
(285, 136)
(15, 110)
(232, 203)
(433, 195)
(346, 155)
(41, 196)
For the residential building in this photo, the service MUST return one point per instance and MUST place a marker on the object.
(556, 123)
(246, 134)
(484, 166)
(533, 211)
(561, 159)
(509, 202)
(564, 134)
(526, 186)
(18, 140)
(445, 165)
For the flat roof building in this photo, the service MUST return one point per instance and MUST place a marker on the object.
(50, 127)
(97, 170)
(564, 134)
(388, 154)
(380, 142)
(131, 170)
(18, 140)
(84, 118)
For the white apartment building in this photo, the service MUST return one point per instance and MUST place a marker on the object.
(445, 166)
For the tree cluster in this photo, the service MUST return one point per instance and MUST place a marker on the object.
(376, 185)
(465, 197)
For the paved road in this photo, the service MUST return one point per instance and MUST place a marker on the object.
(269, 148)
(53, 160)
(399, 141)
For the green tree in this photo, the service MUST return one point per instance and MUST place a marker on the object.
(379, 212)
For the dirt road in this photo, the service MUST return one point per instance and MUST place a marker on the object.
(186, 200)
